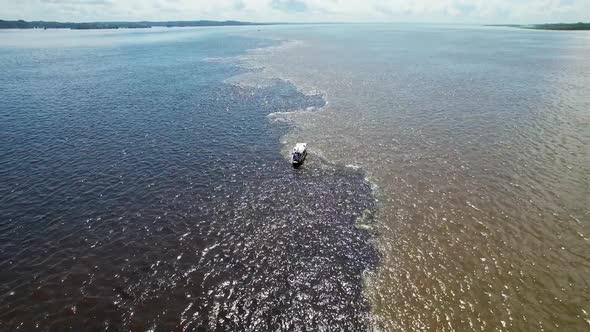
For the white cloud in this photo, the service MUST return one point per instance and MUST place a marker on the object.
(459, 11)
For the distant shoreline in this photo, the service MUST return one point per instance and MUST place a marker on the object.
(548, 26)
(24, 25)
(28, 25)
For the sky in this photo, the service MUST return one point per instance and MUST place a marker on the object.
(426, 11)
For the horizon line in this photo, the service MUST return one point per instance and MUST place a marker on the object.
(279, 22)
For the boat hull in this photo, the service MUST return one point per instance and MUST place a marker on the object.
(298, 162)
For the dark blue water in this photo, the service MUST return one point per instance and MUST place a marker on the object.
(138, 191)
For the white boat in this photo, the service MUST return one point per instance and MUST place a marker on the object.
(298, 154)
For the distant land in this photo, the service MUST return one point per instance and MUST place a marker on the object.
(549, 26)
(20, 24)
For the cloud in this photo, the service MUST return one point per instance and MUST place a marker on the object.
(459, 11)
(289, 5)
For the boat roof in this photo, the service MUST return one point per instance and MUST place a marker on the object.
(300, 147)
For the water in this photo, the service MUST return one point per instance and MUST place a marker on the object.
(477, 139)
(141, 192)
(145, 186)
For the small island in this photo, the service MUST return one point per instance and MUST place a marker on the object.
(548, 26)
(20, 24)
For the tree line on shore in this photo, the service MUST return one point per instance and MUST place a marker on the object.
(20, 24)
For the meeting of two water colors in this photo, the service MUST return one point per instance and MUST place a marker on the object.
(146, 183)
(477, 140)
(141, 192)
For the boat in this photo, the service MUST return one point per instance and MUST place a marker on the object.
(298, 155)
